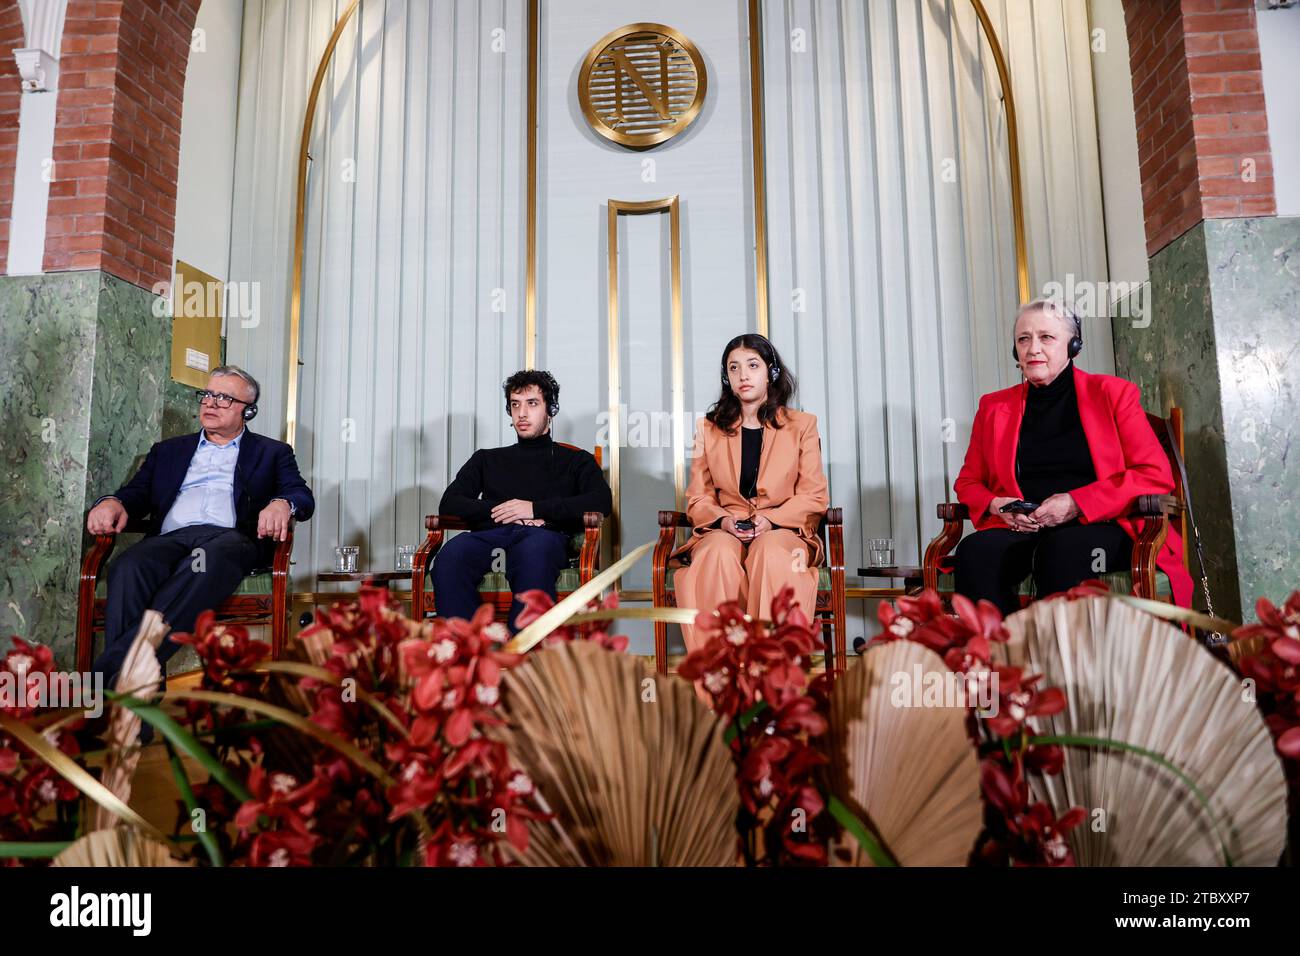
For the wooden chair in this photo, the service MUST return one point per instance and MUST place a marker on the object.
(494, 589)
(262, 598)
(1154, 512)
(831, 607)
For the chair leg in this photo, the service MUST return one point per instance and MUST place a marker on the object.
(661, 647)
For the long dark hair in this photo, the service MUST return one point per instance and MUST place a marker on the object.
(725, 413)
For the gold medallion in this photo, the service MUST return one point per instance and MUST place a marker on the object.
(642, 85)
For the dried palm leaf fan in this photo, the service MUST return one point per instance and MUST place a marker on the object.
(909, 771)
(119, 846)
(141, 676)
(632, 764)
(1133, 678)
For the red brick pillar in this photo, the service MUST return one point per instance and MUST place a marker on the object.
(11, 38)
(117, 137)
(1198, 95)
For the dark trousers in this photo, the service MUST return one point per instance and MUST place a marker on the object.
(530, 557)
(991, 564)
(180, 575)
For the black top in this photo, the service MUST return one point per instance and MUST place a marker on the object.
(1052, 457)
(751, 448)
(561, 483)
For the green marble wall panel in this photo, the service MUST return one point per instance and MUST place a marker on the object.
(84, 392)
(47, 348)
(132, 361)
(1223, 345)
(1174, 361)
(1254, 269)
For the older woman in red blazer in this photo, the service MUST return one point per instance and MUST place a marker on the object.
(757, 492)
(1053, 465)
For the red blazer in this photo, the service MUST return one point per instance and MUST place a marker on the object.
(1126, 455)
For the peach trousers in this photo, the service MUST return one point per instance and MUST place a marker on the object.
(723, 569)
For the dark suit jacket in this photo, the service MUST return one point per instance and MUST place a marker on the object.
(266, 469)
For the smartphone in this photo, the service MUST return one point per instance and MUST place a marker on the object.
(1019, 507)
(745, 525)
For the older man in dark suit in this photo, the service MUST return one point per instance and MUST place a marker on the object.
(216, 501)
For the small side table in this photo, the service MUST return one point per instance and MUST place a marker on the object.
(913, 577)
(382, 579)
(369, 578)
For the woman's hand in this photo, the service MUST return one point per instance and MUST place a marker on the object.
(1012, 519)
(729, 525)
(761, 524)
(1057, 509)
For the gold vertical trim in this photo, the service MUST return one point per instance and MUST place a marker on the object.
(299, 220)
(757, 131)
(1013, 149)
(530, 278)
(616, 208)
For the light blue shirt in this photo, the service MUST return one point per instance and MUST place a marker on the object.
(207, 494)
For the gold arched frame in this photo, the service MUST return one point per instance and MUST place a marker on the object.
(530, 280)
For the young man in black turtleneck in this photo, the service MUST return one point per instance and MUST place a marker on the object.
(525, 499)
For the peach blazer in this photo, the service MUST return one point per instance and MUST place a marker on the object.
(792, 490)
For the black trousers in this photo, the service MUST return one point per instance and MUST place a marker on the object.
(991, 564)
(180, 575)
(532, 559)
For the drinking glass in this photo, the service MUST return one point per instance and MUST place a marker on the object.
(345, 559)
(405, 556)
(882, 552)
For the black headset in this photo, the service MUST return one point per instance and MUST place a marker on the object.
(250, 411)
(1075, 345)
(773, 371)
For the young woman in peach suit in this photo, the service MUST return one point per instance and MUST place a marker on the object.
(757, 492)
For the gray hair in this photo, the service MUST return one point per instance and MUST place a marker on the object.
(1054, 306)
(239, 373)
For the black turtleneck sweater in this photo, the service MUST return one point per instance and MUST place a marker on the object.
(561, 483)
(1052, 457)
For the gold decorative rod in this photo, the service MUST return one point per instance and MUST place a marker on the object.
(1013, 143)
(299, 221)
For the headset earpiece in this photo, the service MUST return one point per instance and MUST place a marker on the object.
(250, 412)
(774, 372)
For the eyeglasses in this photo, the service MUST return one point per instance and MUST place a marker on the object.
(220, 399)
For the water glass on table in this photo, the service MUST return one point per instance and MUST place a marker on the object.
(405, 556)
(345, 559)
(882, 552)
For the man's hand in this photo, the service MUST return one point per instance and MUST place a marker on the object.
(273, 522)
(508, 512)
(761, 524)
(531, 522)
(1012, 519)
(1057, 509)
(107, 517)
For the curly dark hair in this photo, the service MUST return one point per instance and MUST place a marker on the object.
(525, 379)
(725, 413)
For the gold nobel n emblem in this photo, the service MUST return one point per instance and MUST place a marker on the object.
(642, 85)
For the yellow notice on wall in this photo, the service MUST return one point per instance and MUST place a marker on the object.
(198, 304)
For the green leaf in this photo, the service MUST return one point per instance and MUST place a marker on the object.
(31, 851)
(182, 739)
(208, 841)
(849, 821)
(742, 721)
(1086, 740)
